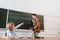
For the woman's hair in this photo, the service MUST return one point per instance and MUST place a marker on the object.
(10, 25)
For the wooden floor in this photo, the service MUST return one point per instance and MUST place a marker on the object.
(42, 38)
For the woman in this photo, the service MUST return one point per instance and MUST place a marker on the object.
(11, 29)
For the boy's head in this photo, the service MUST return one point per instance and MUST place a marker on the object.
(34, 16)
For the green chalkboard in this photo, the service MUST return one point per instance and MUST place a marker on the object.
(3, 16)
(17, 17)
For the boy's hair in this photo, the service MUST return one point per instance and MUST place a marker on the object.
(34, 14)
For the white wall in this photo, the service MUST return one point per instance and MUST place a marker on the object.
(50, 9)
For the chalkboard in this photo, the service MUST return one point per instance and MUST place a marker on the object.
(3, 16)
(17, 17)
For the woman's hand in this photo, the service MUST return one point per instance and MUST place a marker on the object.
(22, 23)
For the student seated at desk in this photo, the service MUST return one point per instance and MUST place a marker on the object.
(11, 29)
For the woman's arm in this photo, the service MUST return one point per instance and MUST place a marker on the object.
(18, 25)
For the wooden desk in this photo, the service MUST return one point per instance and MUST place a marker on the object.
(42, 38)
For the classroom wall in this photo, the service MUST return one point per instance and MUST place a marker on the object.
(50, 9)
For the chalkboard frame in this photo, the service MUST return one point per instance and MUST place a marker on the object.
(8, 12)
